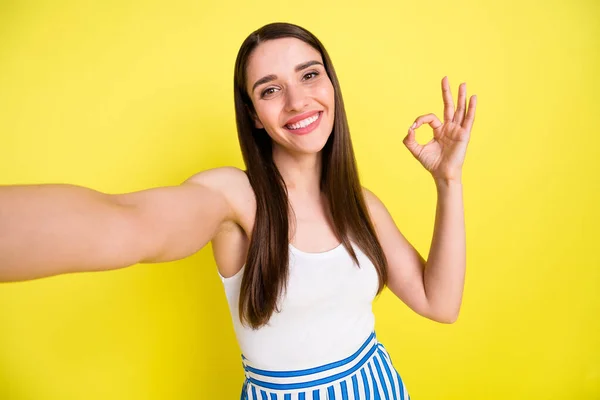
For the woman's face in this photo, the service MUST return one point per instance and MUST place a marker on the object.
(292, 95)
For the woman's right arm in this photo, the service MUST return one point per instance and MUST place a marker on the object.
(48, 230)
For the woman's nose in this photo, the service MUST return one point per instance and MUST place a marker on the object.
(296, 98)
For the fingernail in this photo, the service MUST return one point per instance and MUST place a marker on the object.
(413, 125)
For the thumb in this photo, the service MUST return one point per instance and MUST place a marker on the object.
(411, 143)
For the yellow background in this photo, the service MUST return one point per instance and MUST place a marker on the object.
(125, 95)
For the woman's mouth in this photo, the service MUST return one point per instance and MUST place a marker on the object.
(306, 125)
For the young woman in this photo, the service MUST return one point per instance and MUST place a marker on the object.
(302, 248)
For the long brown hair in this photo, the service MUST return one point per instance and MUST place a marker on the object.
(266, 271)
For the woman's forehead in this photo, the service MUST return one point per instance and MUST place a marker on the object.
(279, 57)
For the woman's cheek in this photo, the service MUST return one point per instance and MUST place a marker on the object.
(327, 92)
(267, 116)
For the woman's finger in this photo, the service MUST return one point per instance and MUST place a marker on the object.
(459, 116)
(448, 102)
(468, 122)
(430, 119)
(411, 143)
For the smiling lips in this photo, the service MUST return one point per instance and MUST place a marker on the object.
(304, 123)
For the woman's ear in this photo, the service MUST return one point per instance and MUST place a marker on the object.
(257, 122)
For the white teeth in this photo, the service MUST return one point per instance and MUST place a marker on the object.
(304, 123)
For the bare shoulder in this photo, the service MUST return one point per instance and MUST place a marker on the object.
(230, 241)
(216, 177)
(233, 184)
(374, 204)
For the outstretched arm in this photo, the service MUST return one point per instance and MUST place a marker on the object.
(54, 229)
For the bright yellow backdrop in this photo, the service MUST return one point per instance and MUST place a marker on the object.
(125, 95)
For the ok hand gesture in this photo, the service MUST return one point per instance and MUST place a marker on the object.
(444, 155)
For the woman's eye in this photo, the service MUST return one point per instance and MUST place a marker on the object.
(268, 91)
(310, 75)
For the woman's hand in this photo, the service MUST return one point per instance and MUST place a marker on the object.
(444, 155)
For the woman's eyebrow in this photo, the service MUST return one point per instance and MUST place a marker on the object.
(307, 64)
(264, 79)
(297, 68)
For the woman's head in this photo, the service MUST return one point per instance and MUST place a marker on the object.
(286, 92)
(291, 94)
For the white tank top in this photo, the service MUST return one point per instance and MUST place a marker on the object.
(326, 312)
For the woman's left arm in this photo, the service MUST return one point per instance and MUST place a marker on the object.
(433, 288)
(444, 273)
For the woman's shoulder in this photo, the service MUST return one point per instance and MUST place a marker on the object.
(371, 200)
(219, 177)
(377, 210)
(233, 184)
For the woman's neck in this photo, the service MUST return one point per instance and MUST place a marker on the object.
(301, 172)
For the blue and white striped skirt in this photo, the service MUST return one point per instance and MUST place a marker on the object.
(368, 374)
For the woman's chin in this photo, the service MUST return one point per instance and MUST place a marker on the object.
(311, 147)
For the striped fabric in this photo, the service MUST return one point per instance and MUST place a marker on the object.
(368, 374)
